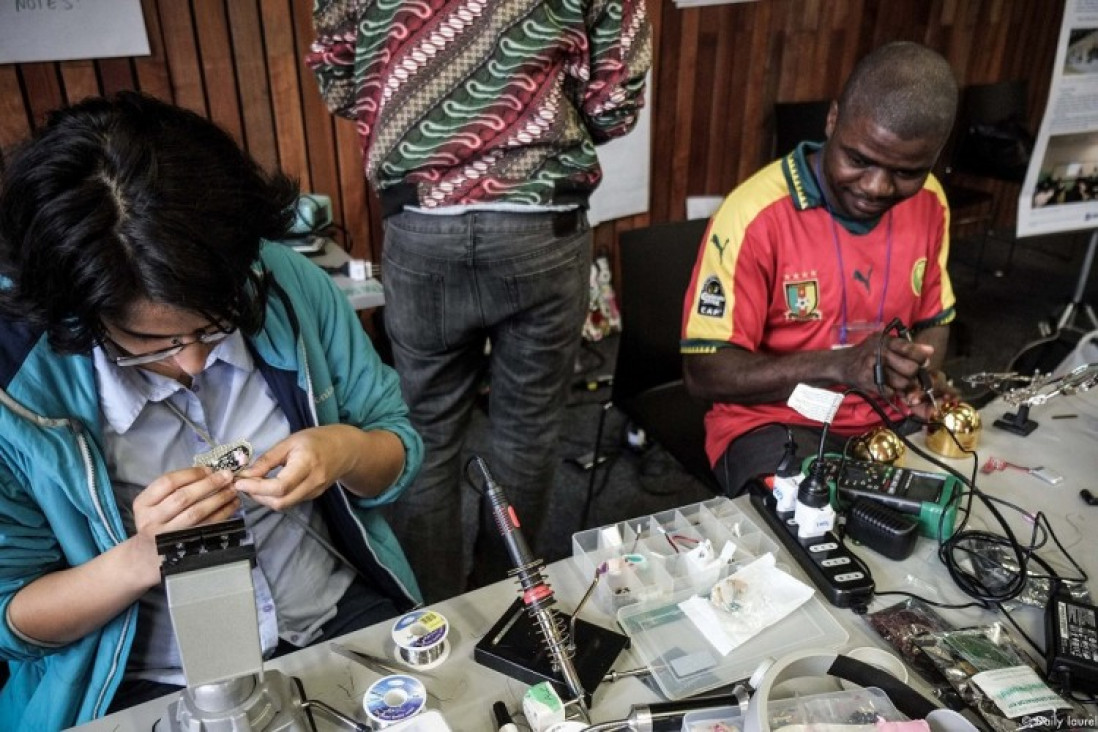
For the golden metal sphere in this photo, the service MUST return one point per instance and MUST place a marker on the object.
(881, 445)
(963, 421)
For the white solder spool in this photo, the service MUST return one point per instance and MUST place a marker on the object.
(420, 638)
(393, 699)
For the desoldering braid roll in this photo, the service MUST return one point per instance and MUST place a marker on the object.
(393, 699)
(420, 638)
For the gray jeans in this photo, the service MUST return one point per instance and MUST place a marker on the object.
(518, 281)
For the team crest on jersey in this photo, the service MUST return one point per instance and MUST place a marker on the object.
(918, 272)
(711, 301)
(803, 299)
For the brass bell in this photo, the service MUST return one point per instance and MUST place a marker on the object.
(881, 445)
(960, 419)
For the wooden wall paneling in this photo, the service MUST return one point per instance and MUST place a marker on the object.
(115, 75)
(723, 133)
(319, 129)
(79, 80)
(717, 73)
(352, 193)
(15, 123)
(844, 34)
(665, 138)
(934, 32)
(758, 71)
(687, 78)
(43, 90)
(662, 98)
(985, 60)
(215, 56)
(250, 62)
(704, 80)
(181, 54)
(282, 64)
(152, 71)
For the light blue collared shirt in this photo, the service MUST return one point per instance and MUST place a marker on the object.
(143, 439)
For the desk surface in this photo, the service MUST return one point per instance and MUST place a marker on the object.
(363, 294)
(468, 689)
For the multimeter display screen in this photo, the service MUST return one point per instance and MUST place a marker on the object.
(922, 487)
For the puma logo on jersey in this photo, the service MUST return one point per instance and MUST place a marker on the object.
(717, 243)
(863, 278)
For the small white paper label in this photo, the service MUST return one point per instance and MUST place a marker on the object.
(1018, 691)
(816, 404)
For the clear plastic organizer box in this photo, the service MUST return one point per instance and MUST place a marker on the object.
(657, 556)
(642, 580)
(854, 707)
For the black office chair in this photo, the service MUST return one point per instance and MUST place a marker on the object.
(797, 121)
(990, 143)
(656, 264)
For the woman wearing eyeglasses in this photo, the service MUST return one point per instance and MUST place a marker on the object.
(161, 367)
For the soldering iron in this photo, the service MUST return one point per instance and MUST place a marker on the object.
(926, 381)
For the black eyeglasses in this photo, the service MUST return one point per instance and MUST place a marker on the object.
(125, 358)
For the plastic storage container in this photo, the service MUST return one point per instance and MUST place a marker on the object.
(657, 556)
(683, 662)
(643, 578)
(857, 706)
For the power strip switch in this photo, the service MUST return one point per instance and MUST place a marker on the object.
(836, 571)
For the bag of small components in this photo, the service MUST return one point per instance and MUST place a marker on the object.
(900, 625)
(999, 680)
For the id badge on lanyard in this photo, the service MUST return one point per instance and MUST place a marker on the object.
(845, 335)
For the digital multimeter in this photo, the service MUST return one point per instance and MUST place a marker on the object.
(929, 496)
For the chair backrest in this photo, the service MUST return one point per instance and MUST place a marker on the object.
(656, 264)
(797, 121)
(991, 137)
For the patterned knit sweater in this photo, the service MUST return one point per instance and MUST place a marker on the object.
(462, 102)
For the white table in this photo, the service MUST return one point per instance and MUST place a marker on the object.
(1068, 446)
(363, 294)
(468, 689)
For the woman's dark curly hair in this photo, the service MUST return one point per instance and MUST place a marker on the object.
(126, 198)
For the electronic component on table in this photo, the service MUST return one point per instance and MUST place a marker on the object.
(927, 495)
(882, 528)
(1071, 643)
(1048, 475)
(839, 575)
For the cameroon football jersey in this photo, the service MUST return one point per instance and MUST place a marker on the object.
(778, 273)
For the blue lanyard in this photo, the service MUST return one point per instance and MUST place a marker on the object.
(844, 329)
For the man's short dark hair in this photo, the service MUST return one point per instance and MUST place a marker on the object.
(905, 87)
(125, 198)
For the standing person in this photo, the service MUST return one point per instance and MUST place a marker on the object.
(806, 262)
(144, 321)
(479, 122)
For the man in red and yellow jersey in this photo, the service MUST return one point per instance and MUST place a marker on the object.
(806, 262)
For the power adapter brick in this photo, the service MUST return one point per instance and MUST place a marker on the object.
(882, 528)
(1071, 643)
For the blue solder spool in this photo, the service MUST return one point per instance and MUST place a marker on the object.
(393, 699)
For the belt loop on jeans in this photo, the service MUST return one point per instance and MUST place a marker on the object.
(567, 222)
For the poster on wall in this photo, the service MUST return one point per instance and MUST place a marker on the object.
(62, 30)
(1060, 192)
